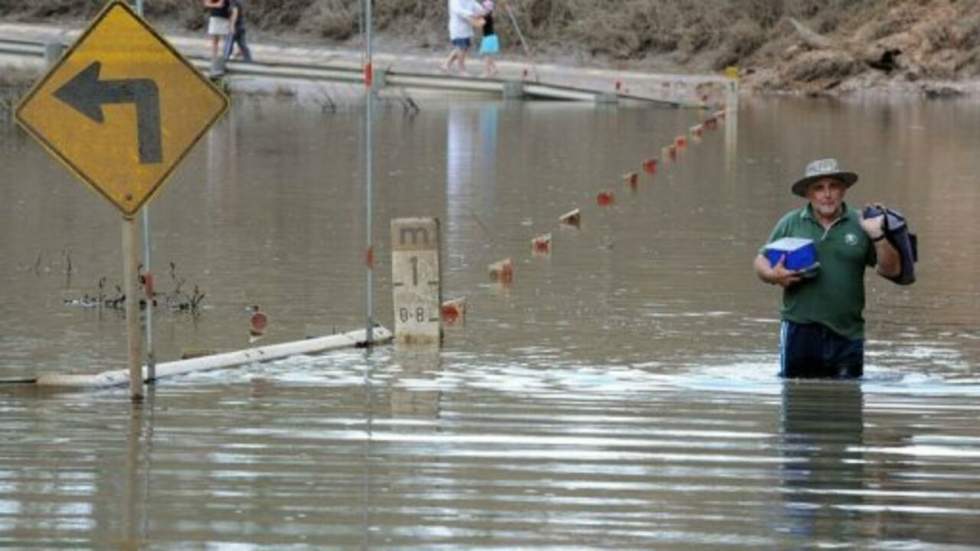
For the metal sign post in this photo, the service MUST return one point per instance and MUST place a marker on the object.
(151, 360)
(368, 171)
(134, 337)
(120, 110)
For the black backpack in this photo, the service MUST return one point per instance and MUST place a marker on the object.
(905, 242)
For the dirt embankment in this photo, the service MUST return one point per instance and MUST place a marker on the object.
(810, 46)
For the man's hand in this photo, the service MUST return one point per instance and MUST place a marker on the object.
(783, 277)
(875, 226)
(889, 261)
(778, 274)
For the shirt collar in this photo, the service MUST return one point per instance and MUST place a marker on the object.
(807, 212)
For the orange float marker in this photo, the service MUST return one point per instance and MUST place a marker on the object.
(650, 166)
(680, 142)
(502, 271)
(631, 179)
(541, 245)
(571, 218)
(454, 311)
(257, 322)
(605, 198)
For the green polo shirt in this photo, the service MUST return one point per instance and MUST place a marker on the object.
(835, 297)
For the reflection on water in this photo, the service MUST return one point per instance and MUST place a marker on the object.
(823, 479)
(431, 453)
(621, 394)
(415, 392)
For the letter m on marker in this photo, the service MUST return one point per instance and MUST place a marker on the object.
(414, 233)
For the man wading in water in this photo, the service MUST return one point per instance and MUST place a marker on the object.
(822, 329)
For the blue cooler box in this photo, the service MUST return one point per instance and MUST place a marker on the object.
(800, 253)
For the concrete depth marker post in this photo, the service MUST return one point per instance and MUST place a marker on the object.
(416, 280)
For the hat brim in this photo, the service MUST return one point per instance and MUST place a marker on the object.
(848, 178)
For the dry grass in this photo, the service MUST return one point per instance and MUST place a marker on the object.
(704, 33)
(618, 28)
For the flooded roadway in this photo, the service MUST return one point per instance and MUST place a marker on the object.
(621, 394)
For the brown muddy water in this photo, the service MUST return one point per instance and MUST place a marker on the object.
(621, 394)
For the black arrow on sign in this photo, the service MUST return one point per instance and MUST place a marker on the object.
(87, 94)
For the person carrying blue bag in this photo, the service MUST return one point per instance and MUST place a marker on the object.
(490, 45)
(822, 323)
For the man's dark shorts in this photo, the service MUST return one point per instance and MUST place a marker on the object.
(810, 350)
(462, 43)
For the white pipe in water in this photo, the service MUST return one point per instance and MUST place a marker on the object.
(317, 345)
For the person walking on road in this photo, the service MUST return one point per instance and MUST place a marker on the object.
(219, 26)
(464, 15)
(490, 44)
(822, 328)
(237, 36)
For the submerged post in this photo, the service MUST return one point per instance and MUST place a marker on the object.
(731, 122)
(416, 280)
(368, 162)
(513, 89)
(52, 53)
(151, 360)
(133, 335)
(731, 97)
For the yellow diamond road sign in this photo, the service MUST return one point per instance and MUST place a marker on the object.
(122, 108)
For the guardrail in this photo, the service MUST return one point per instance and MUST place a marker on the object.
(347, 73)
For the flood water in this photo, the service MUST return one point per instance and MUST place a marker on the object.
(620, 394)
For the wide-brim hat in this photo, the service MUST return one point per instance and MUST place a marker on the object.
(823, 168)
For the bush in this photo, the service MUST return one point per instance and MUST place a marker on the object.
(967, 32)
(720, 32)
(52, 8)
(744, 38)
(822, 65)
(331, 19)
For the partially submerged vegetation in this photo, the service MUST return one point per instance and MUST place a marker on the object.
(802, 45)
(106, 295)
